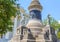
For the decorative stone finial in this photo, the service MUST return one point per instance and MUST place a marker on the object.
(35, 4)
(35, 0)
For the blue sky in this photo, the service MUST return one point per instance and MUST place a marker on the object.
(51, 7)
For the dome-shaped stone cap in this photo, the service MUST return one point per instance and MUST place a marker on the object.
(35, 4)
(34, 23)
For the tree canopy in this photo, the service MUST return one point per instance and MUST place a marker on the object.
(7, 10)
(53, 23)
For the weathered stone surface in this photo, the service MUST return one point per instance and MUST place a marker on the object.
(34, 31)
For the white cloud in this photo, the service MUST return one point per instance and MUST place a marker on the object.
(59, 22)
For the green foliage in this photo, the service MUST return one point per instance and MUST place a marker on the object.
(58, 35)
(7, 10)
(53, 23)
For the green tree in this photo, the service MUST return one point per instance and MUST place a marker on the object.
(7, 10)
(53, 23)
(58, 35)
